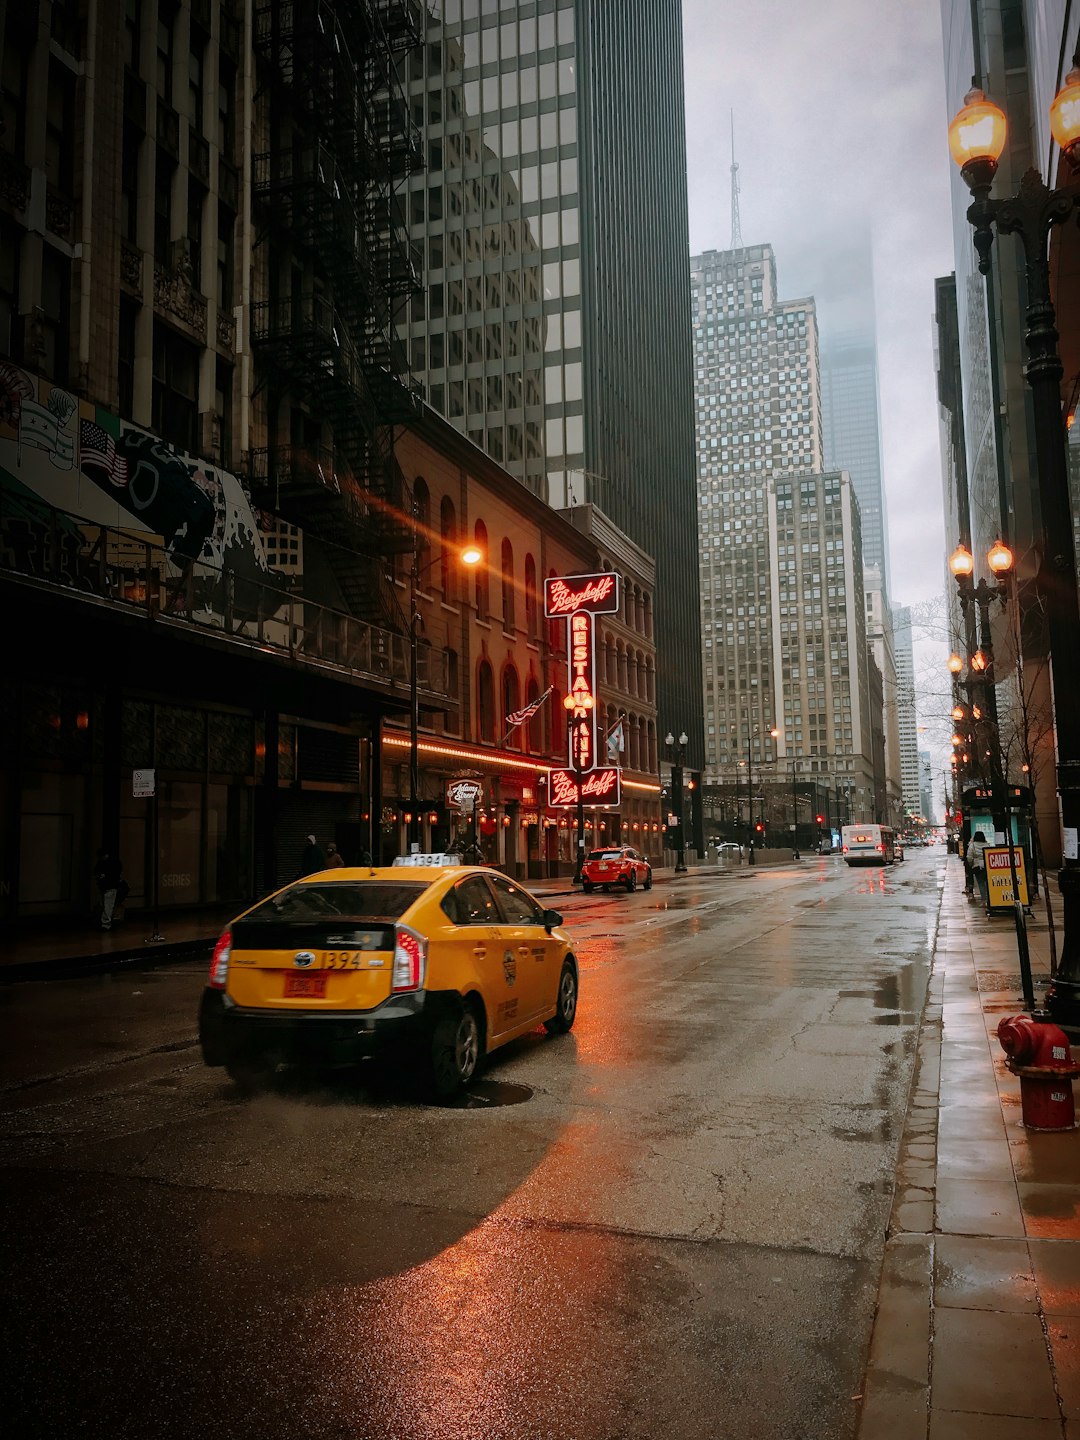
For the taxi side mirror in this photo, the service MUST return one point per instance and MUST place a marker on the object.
(551, 919)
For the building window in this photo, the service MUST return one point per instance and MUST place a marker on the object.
(480, 535)
(195, 81)
(10, 337)
(175, 399)
(511, 697)
(535, 722)
(163, 184)
(485, 701)
(531, 607)
(196, 196)
(55, 314)
(166, 21)
(129, 184)
(508, 616)
(125, 367)
(60, 129)
(226, 136)
(448, 556)
(13, 137)
(422, 522)
(226, 226)
(132, 34)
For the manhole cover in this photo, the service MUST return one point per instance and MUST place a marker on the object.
(488, 1094)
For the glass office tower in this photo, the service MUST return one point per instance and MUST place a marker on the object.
(555, 326)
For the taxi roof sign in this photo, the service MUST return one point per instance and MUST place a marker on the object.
(427, 862)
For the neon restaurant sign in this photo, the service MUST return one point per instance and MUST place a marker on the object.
(579, 599)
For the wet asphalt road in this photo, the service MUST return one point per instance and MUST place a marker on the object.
(676, 1229)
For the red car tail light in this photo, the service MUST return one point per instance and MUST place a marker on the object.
(219, 965)
(410, 955)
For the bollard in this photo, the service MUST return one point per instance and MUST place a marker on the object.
(1039, 1054)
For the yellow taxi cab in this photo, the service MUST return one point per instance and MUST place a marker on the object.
(446, 961)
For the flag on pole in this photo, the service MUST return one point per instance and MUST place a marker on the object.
(518, 717)
(616, 741)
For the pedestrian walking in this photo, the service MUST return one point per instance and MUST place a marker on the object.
(312, 860)
(112, 887)
(333, 857)
(365, 858)
(977, 855)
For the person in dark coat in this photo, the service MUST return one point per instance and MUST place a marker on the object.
(313, 860)
(112, 887)
(334, 858)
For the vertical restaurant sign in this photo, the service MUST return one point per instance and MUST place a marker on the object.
(579, 599)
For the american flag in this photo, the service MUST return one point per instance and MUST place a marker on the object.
(99, 452)
(518, 717)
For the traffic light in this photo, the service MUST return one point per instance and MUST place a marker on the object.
(760, 828)
(820, 819)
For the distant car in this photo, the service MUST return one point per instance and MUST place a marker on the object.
(443, 963)
(826, 848)
(729, 847)
(898, 850)
(617, 865)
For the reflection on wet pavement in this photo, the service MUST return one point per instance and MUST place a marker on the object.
(638, 1220)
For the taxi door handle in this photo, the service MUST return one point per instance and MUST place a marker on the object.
(480, 951)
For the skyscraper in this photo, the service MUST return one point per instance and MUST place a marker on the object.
(852, 433)
(907, 722)
(780, 551)
(555, 326)
(758, 414)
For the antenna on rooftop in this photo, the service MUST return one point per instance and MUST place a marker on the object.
(736, 225)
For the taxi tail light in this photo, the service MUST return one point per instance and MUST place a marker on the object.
(219, 965)
(410, 955)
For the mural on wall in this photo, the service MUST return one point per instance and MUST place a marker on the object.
(85, 462)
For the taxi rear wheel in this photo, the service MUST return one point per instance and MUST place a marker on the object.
(565, 1002)
(455, 1052)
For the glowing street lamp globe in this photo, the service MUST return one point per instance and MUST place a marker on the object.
(978, 131)
(1065, 113)
(955, 664)
(961, 562)
(1000, 559)
(472, 555)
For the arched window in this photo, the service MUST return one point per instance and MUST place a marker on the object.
(531, 608)
(422, 521)
(485, 700)
(448, 556)
(535, 723)
(511, 698)
(480, 535)
(558, 726)
(508, 586)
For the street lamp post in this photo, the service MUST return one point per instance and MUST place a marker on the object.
(469, 556)
(677, 749)
(977, 139)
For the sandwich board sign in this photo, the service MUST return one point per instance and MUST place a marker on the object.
(999, 876)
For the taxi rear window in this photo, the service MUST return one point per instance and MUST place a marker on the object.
(605, 854)
(337, 900)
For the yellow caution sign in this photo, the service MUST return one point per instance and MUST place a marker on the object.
(999, 876)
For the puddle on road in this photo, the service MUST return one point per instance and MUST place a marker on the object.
(490, 1095)
(903, 1017)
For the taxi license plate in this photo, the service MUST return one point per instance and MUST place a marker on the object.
(311, 987)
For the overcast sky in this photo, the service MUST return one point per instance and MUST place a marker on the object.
(840, 133)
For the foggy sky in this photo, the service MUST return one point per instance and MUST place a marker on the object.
(840, 136)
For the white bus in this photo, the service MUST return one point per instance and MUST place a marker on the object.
(869, 845)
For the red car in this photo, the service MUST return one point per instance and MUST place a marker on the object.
(618, 865)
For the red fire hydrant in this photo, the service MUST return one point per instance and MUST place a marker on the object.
(1039, 1054)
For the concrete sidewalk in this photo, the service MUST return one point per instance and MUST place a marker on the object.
(977, 1330)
